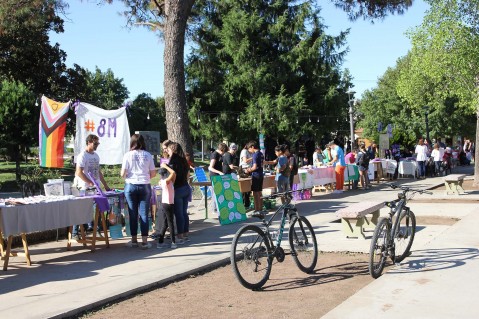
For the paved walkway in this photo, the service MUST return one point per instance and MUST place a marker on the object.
(438, 280)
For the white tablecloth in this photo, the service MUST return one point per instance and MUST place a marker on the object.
(407, 168)
(44, 216)
(316, 176)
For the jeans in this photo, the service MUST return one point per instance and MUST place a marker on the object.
(138, 199)
(181, 208)
(282, 184)
(422, 168)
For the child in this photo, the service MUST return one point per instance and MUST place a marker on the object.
(168, 177)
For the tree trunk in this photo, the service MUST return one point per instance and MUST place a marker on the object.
(476, 153)
(177, 123)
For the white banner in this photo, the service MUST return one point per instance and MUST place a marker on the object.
(111, 126)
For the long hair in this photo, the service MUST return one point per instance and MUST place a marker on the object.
(137, 142)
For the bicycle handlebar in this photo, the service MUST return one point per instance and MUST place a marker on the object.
(406, 189)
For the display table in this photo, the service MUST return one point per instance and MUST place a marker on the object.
(245, 183)
(22, 219)
(407, 168)
(375, 166)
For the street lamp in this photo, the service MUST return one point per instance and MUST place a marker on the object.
(426, 113)
(351, 120)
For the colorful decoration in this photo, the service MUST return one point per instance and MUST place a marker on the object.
(52, 125)
(228, 198)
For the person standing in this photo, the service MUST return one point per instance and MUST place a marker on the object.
(339, 166)
(88, 164)
(229, 159)
(362, 160)
(256, 171)
(293, 165)
(137, 169)
(216, 160)
(282, 171)
(421, 151)
(318, 157)
(179, 164)
(437, 153)
(245, 163)
(168, 177)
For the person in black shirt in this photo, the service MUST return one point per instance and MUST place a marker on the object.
(179, 164)
(216, 161)
(229, 159)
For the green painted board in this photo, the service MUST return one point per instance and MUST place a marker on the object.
(228, 198)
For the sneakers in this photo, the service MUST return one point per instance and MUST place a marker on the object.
(186, 239)
(337, 191)
(180, 241)
(161, 246)
(132, 244)
(258, 214)
(153, 236)
(173, 246)
(145, 246)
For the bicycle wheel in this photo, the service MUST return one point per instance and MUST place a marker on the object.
(249, 257)
(404, 233)
(378, 251)
(303, 245)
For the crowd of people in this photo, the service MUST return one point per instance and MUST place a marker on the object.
(138, 169)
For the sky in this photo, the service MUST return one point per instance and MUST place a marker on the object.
(97, 36)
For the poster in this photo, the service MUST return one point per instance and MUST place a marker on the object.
(152, 141)
(228, 199)
(111, 126)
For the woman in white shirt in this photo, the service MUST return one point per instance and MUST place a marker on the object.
(421, 151)
(137, 169)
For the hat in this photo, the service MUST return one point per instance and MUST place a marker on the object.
(233, 146)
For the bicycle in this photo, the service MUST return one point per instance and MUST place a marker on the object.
(390, 239)
(254, 247)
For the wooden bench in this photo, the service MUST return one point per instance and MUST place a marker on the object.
(354, 218)
(453, 184)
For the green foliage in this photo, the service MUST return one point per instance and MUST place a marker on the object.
(104, 90)
(259, 67)
(147, 114)
(18, 117)
(26, 54)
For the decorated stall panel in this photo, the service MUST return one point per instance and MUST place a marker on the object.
(227, 196)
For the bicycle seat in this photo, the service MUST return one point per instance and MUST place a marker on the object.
(258, 214)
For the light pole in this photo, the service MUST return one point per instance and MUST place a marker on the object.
(351, 112)
(426, 113)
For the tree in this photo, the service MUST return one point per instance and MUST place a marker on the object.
(170, 17)
(446, 50)
(104, 90)
(25, 51)
(18, 119)
(147, 114)
(258, 67)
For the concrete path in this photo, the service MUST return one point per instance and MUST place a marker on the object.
(444, 263)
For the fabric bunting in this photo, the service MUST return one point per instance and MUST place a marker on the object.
(52, 126)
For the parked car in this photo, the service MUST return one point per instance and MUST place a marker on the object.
(197, 153)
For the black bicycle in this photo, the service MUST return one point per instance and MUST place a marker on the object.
(394, 239)
(254, 247)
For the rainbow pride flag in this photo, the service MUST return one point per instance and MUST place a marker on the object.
(52, 126)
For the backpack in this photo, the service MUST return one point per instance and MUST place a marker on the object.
(364, 160)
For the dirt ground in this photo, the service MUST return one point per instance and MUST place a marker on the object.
(289, 293)
(466, 184)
